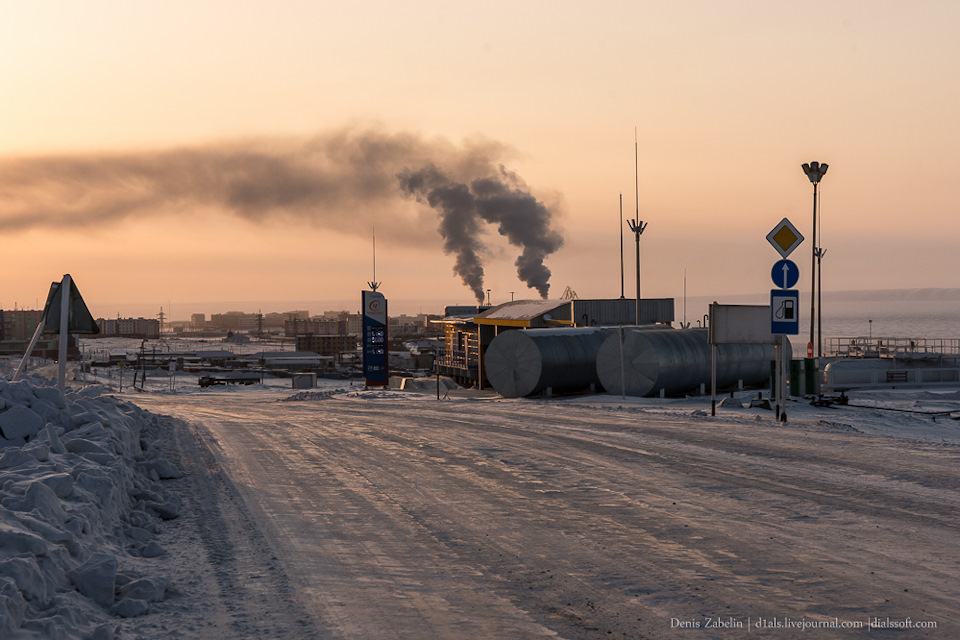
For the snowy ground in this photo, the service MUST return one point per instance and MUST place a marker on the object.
(344, 513)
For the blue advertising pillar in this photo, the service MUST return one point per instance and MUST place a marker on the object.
(374, 341)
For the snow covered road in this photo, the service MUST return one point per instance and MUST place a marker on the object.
(395, 515)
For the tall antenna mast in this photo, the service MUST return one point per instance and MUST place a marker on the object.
(621, 247)
(636, 170)
(373, 284)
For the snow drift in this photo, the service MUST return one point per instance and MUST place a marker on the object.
(81, 503)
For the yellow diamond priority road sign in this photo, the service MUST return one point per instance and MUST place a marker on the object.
(785, 238)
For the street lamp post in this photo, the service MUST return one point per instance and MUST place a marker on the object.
(815, 171)
(820, 253)
(638, 227)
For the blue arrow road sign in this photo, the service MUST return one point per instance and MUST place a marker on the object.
(785, 273)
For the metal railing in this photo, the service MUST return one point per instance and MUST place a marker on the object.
(463, 356)
(904, 348)
(885, 378)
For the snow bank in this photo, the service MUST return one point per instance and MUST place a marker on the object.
(80, 507)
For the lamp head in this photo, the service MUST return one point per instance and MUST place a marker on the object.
(815, 171)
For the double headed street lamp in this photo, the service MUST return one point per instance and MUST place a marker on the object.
(638, 227)
(815, 172)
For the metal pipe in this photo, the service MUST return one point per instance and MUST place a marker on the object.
(64, 332)
(33, 343)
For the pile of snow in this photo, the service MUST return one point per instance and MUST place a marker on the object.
(80, 506)
(371, 393)
(313, 395)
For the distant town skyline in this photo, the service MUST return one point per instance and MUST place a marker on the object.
(185, 154)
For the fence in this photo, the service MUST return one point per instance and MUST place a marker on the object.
(906, 348)
(836, 379)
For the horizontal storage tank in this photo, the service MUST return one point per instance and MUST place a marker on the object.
(524, 362)
(851, 373)
(677, 362)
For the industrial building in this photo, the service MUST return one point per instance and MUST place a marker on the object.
(468, 331)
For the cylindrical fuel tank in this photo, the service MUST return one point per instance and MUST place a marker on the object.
(524, 362)
(677, 362)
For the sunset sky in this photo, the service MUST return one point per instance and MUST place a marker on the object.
(209, 155)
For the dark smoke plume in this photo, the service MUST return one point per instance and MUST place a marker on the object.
(499, 199)
(348, 181)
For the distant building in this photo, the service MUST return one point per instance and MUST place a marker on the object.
(315, 326)
(235, 321)
(19, 324)
(277, 321)
(327, 345)
(198, 320)
(16, 330)
(254, 322)
(129, 327)
(408, 325)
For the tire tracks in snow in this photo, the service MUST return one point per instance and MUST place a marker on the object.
(405, 519)
(253, 598)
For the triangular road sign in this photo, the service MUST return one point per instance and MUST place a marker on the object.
(80, 319)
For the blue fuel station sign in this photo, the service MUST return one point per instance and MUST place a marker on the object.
(374, 341)
(785, 312)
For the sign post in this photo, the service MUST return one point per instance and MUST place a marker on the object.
(735, 324)
(64, 313)
(784, 305)
(375, 345)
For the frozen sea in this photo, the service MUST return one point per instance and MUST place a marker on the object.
(903, 313)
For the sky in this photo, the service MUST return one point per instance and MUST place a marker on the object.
(220, 155)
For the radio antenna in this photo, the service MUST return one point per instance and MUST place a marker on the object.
(636, 167)
(621, 247)
(373, 284)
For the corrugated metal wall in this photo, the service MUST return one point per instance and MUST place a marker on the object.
(621, 312)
